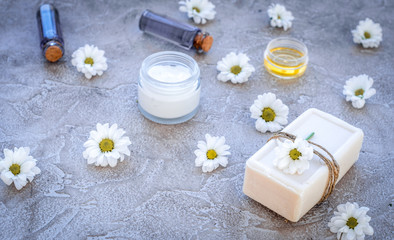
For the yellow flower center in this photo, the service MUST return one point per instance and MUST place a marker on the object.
(89, 60)
(268, 114)
(295, 154)
(278, 16)
(211, 154)
(359, 92)
(197, 9)
(106, 145)
(15, 169)
(236, 69)
(367, 35)
(352, 222)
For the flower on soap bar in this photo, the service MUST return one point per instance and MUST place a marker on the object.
(271, 113)
(351, 222)
(368, 33)
(212, 153)
(279, 16)
(106, 146)
(17, 167)
(199, 10)
(358, 89)
(234, 67)
(293, 157)
(89, 60)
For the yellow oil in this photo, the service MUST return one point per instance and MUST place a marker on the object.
(285, 62)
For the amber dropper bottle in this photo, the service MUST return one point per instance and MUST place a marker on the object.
(51, 40)
(181, 34)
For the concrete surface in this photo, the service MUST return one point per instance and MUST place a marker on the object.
(158, 193)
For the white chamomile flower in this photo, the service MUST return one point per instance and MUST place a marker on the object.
(279, 16)
(199, 10)
(90, 61)
(358, 89)
(18, 167)
(368, 33)
(234, 67)
(106, 145)
(211, 153)
(351, 222)
(271, 113)
(293, 157)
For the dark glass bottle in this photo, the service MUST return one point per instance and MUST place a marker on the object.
(52, 44)
(181, 34)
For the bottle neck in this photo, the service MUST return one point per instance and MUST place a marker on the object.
(202, 42)
(53, 51)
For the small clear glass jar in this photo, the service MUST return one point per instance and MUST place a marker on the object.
(169, 87)
(286, 58)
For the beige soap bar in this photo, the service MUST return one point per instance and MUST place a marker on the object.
(291, 196)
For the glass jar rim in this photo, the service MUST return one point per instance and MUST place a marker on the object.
(165, 56)
(290, 43)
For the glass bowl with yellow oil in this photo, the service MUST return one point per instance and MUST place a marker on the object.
(286, 58)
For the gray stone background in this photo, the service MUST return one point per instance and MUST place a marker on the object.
(158, 193)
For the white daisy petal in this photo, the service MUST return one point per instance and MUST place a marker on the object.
(22, 177)
(28, 166)
(267, 99)
(222, 161)
(351, 235)
(126, 151)
(36, 170)
(112, 130)
(358, 103)
(106, 145)
(112, 161)
(369, 93)
(93, 142)
(8, 154)
(19, 184)
(235, 68)
(274, 126)
(17, 167)
(199, 161)
(368, 230)
(261, 125)
(90, 160)
(104, 162)
(6, 176)
(211, 153)
(220, 142)
(89, 60)
(208, 167)
(182, 8)
(222, 150)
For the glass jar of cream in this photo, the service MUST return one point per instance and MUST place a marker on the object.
(286, 58)
(169, 87)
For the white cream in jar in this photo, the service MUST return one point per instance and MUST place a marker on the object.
(169, 87)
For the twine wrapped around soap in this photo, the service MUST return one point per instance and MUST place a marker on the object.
(332, 165)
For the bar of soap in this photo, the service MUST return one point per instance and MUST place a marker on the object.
(292, 196)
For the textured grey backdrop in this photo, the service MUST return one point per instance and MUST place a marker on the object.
(157, 192)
